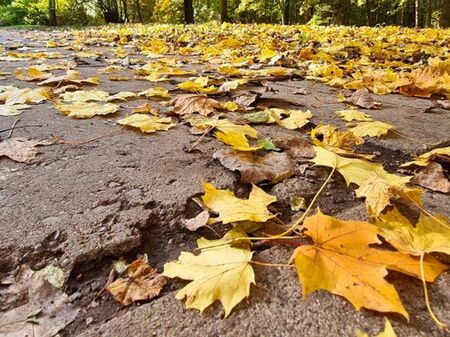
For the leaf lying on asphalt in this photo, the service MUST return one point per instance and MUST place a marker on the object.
(71, 77)
(24, 96)
(363, 99)
(433, 155)
(429, 234)
(257, 167)
(371, 129)
(156, 92)
(12, 110)
(238, 141)
(31, 74)
(296, 147)
(220, 272)
(197, 222)
(86, 109)
(233, 209)
(296, 120)
(194, 103)
(340, 142)
(432, 177)
(350, 115)
(41, 302)
(355, 170)
(21, 149)
(146, 123)
(142, 283)
(342, 262)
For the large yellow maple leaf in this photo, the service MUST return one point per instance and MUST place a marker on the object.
(341, 261)
(232, 209)
(219, 272)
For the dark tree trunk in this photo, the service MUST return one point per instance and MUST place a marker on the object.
(340, 11)
(445, 16)
(125, 10)
(138, 10)
(429, 13)
(188, 12)
(369, 13)
(286, 12)
(224, 11)
(52, 12)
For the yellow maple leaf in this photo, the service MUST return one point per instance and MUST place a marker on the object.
(430, 234)
(156, 92)
(387, 332)
(425, 158)
(24, 96)
(371, 129)
(342, 262)
(86, 109)
(266, 54)
(197, 85)
(355, 170)
(353, 115)
(238, 141)
(219, 273)
(334, 140)
(378, 194)
(85, 96)
(31, 74)
(146, 123)
(296, 120)
(233, 209)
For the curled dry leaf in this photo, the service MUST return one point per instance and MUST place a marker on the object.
(424, 159)
(31, 74)
(142, 283)
(363, 99)
(24, 96)
(197, 222)
(257, 167)
(71, 77)
(193, 103)
(432, 177)
(21, 149)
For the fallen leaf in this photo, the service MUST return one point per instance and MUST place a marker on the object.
(31, 74)
(198, 85)
(221, 273)
(363, 99)
(85, 96)
(355, 170)
(330, 138)
(46, 310)
(142, 283)
(342, 262)
(197, 222)
(21, 149)
(156, 92)
(146, 123)
(428, 157)
(231, 85)
(192, 103)
(12, 110)
(238, 141)
(432, 177)
(353, 115)
(296, 120)
(257, 167)
(122, 96)
(296, 147)
(71, 77)
(24, 96)
(86, 109)
(371, 129)
(233, 209)
(429, 234)
(145, 108)
(387, 332)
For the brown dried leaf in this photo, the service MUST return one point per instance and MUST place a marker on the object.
(21, 149)
(432, 177)
(256, 167)
(192, 103)
(142, 283)
(297, 147)
(363, 99)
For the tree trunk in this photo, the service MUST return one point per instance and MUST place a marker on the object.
(416, 13)
(125, 10)
(52, 12)
(445, 16)
(429, 13)
(286, 11)
(340, 11)
(188, 12)
(224, 11)
(138, 9)
(369, 13)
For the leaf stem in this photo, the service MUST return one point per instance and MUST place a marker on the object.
(200, 139)
(311, 204)
(427, 300)
(281, 265)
